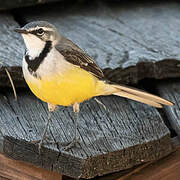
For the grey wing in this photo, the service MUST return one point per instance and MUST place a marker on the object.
(73, 54)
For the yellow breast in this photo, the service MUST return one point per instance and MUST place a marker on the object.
(73, 85)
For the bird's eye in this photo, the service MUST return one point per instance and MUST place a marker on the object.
(40, 32)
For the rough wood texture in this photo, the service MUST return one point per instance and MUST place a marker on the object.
(3, 178)
(8, 4)
(11, 51)
(16, 170)
(128, 134)
(165, 169)
(171, 90)
(130, 40)
(127, 41)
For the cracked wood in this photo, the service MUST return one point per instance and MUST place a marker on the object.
(129, 41)
(133, 132)
(171, 89)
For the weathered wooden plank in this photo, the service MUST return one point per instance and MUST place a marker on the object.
(11, 51)
(130, 40)
(128, 134)
(13, 169)
(133, 132)
(165, 169)
(8, 4)
(170, 89)
(3, 178)
(126, 40)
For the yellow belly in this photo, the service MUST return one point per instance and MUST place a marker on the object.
(74, 85)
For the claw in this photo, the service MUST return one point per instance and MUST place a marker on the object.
(72, 144)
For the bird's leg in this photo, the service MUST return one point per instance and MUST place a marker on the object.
(51, 108)
(75, 139)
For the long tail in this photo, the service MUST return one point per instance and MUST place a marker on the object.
(137, 95)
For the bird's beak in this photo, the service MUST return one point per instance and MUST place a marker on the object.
(21, 30)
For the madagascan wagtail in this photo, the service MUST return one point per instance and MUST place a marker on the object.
(60, 73)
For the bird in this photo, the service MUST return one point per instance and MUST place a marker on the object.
(59, 72)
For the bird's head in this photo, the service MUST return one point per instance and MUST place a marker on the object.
(36, 34)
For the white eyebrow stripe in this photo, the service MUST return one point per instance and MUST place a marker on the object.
(38, 27)
(47, 29)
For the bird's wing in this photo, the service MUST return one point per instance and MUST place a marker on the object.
(73, 54)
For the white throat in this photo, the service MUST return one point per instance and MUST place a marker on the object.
(33, 44)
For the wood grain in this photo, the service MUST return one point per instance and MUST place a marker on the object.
(125, 135)
(11, 51)
(127, 41)
(171, 90)
(130, 41)
(165, 169)
(153, 170)
(8, 4)
(16, 170)
(3, 178)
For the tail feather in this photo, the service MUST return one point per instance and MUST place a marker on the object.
(137, 98)
(144, 94)
(137, 95)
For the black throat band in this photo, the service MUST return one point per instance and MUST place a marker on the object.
(33, 64)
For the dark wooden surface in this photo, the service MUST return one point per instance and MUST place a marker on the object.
(165, 168)
(130, 42)
(133, 132)
(11, 51)
(170, 89)
(8, 4)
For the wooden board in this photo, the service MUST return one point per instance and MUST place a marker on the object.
(129, 40)
(171, 90)
(16, 170)
(8, 4)
(165, 169)
(126, 135)
(129, 133)
(3, 178)
(11, 51)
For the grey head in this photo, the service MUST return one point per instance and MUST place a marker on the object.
(40, 38)
(41, 29)
(37, 36)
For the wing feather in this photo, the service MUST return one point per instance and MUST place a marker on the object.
(73, 54)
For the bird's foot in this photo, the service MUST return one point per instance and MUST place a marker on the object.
(40, 143)
(67, 145)
(70, 145)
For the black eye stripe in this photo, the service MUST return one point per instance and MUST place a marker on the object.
(36, 32)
